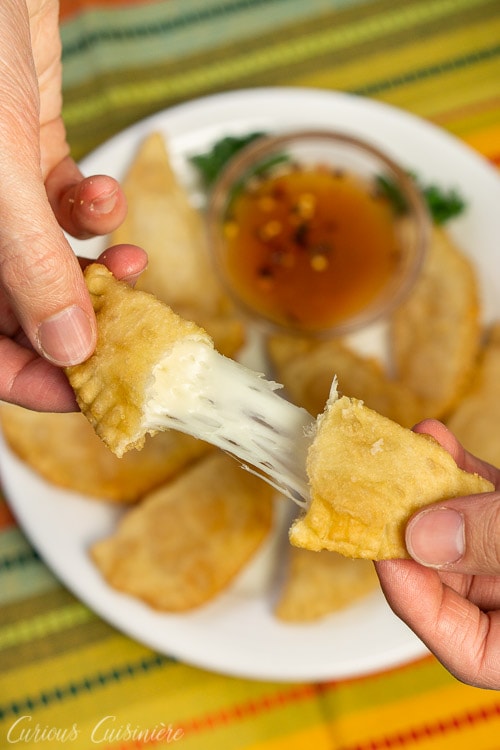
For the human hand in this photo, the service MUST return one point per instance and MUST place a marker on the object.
(449, 594)
(44, 304)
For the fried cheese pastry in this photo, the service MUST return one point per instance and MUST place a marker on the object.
(476, 419)
(135, 331)
(152, 370)
(161, 218)
(436, 332)
(64, 450)
(368, 475)
(319, 583)
(307, 368)
(187, 541)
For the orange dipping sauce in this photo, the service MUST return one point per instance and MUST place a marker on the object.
(309, 247)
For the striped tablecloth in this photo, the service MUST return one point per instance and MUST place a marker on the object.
(67, 677)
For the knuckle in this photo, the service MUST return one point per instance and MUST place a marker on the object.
(488, 552)
(29, 268)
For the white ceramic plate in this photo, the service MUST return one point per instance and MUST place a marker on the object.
(237, 633)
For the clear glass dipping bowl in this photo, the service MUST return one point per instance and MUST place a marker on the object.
(342, 157)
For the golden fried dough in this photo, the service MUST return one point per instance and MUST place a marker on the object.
(307, 368)
(161, 219)
(186, 542)
(226, 331)
(135, 330)
(319, 583)
(476, 419)
(64, 450)
(436, 331)
(368, 475)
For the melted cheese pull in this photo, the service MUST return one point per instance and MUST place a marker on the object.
(152, 370)
(196, 390)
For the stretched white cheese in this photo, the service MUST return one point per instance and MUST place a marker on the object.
(196, 390)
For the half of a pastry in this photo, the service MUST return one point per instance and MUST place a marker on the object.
(368, 476)
(152, 371)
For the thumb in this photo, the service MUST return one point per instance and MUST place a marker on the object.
(459, 536)
(41, 286)
(40, 276)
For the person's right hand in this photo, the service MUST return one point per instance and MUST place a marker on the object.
(45, 309)
(449, 593)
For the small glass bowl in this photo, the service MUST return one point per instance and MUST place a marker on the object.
(258, 173)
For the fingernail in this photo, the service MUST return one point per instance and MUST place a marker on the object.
(436, 537)
(132, 279)
(104, 204)
(67, 337)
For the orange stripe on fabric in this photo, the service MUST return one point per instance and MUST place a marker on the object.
(251, 708)
(480, 106)
(487, 142)
(414, 735)
(232, 714)
(7, 520)
(70, 8)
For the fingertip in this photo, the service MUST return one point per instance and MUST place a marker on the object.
(126, 262)
(85, 206)
(435, 429)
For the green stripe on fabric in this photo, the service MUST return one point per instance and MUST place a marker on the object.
(56, 644)
(40, 626)
(22, 573)
(47, 634)
(134, 93)
(456, 63)
(190, 27)
(14, 544)
(88, 684)
(20, 559)
(219, 73)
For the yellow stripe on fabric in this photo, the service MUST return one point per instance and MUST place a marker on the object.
(416, 76)
(316, 738)
(434, 98)
(220, 73)
(420, 53)
(43, 625)
(404, 682)
(213, 711)
(35, 678)
(480, 117)
(450, 717)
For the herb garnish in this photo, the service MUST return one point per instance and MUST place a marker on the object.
(443, 205)
(211, 163)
